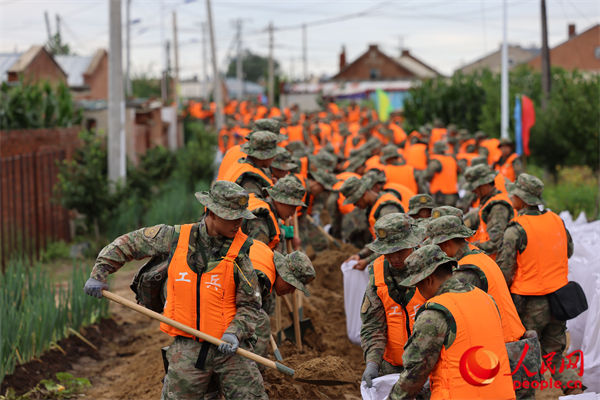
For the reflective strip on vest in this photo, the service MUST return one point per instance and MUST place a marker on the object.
(403, 175)
(445, 181)
(543, 266)
(477, 324)
(401, 191)
(512, 326)
(384, 199)
(481, 235)
(395, 316)
(507, 168)
(262, 260)
(255, 205)
(205, 302)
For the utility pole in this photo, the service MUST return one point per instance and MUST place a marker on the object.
(128, 49)
(271, 83)
(163, 83)
(546, 81)
(238, 60)
(168, 69)
(58, 24)
(48, 30)
(116, 104)
(304, 55)
(204, 63)
(176, 55)
(216, 77)
(504, 78)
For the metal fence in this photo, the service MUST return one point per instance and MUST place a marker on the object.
(30, 218)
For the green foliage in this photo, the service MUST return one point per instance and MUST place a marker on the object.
(195, 162)
(144, 87)
(34, 106)
(55, 251)
(67, 386)
(35, 314)
(255, 68)
(56, 47)
(566, 133)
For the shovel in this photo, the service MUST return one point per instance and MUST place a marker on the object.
(300, 326)
(201, 335)
(327, 235)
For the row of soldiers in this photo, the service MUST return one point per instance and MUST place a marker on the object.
(267, 203)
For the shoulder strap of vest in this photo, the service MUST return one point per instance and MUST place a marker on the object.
(492, 202)
(450, 321)
(476, 270)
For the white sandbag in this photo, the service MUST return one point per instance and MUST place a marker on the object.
(582, 396)
(355, 284)
(381, 389)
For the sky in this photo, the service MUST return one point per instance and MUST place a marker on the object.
(444, 34)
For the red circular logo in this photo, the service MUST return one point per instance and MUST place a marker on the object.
(479, 366)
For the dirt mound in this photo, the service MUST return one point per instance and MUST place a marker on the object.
(330, 368)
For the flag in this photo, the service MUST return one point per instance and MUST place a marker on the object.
(383, 105)
(518, 127)
(528, 120)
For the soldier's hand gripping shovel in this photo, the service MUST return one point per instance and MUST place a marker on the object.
(154, 315)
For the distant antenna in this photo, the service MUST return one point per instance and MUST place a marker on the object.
(400, 45)
(48, 30)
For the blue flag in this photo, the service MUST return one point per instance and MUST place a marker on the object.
(518, 126)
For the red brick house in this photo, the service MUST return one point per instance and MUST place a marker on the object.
(376, 65)
(34, 65)
(87, 76)
(579, 51)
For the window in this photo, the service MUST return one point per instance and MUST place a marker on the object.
(597, 52)
(374, 73)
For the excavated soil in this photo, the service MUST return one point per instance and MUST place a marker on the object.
(128, 363)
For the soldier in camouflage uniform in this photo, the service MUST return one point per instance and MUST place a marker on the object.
(420, 206)
(283, 199)
(434, 166)
(358, 193)
(391, 156)
(282, 164)
(526, 194)
(496, 211)
(469, 198)
(443, 211)
(210, 239)
(430, 269)
(507, 147)
(261, 149)
(396, 239)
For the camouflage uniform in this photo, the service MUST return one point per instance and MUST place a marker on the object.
(433, 167)
(261, 145)
(517, 162)
(394, 232)
(443, 211)
(239, 377)
(286, 191)
(534, 310)
(497, 216)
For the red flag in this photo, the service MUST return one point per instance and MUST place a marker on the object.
(528, 120)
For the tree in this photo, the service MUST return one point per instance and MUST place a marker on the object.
(56, 47)
(255, 68)
(145, 87)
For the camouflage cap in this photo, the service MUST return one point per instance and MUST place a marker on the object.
(372, 144)
(271, 125)
(283, 160)
(419, 202)
(326, 179)
(261, 145)
(447, 227)
(463, 134)
(324, 160)
(288, 190)
(506, 142)
(423, 262)
(440, 147)
(389, 151)
(298, 149)
(373, 176)
(528, 188)
(394, 232)
(478, 175)
(480, 135)
(353, 189)
(479, 160)
(227, 200)
(442, 211)
(295, 268)
(355, 162)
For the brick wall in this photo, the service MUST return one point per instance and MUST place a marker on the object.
(17, 142)
(98, 82)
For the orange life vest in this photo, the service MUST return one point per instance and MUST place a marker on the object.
(256, 206)
(223, 133)
(465, 144)
(262, 260)
(207, 305)
(294, 133)
(416, 155)
(543, 266)
(384, 199)
(342, 177)
(374, 162)
(403, 175)
(482, 235)
(467, 156)
(512, 326)
(445, 181)
(477, 324)
(399, 134)
(399, 317)
(494, 152)
(437, 134)
(507, 168)
(231, 156)
(402, 192)
(500, 183)
(240, 168)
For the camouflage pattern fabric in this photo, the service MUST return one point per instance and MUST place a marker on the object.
(497, 216)
(238, 377)
(353, 189)
(442, 211)
(442, 229)
(423, 262)
(326, 179)
(311, 235)
(355, 228)
(283, 160)
(394, 232)
(296, 269)
(261, 145)
(288, 190)
(263, 333)
(262, 227)
(271, 125)
(478, 175)
(252, 183)
(419, 202)
(528, 188)
(227, 200)
(445, 199)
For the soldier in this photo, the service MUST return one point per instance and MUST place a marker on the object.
(214, 253)
(442, 211)
(456, 316)
(282, 164)
(280, 204)
(534, 259)
(284, 274)
(495, 209)
(388, 308)
(420, 206)
(376, 206)
(252, 173)
(442, 175)
(509, 164)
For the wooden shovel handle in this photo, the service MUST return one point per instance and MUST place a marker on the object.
(200, 335)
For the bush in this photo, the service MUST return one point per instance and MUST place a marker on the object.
(55, 251)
